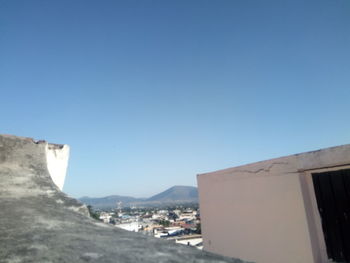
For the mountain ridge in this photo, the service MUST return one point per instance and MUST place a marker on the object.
(174, 195)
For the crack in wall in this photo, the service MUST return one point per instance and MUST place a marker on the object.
(266, 170)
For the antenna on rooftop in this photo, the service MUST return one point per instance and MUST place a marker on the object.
(119, 206)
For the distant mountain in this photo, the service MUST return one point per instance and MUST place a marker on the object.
(110, 201)
(173, 195)
(176, 193)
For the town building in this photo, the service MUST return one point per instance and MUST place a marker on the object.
(289, 209)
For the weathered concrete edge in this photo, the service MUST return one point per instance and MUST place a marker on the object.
(305, 161)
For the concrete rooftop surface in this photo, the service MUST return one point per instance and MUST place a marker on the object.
(39, 223)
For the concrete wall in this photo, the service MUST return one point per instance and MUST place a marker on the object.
(266, 211)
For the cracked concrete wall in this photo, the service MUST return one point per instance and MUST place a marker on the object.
(259, 211)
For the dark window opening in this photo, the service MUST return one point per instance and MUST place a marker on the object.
(332, 191)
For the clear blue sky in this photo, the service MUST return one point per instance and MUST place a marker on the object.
(150, 93)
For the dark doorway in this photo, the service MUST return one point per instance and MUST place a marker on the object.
(332, 191)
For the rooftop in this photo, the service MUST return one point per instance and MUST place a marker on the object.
(39, 223)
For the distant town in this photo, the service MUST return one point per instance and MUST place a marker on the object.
(180, 223)
(171, 215)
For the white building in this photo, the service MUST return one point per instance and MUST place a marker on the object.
(132, 226)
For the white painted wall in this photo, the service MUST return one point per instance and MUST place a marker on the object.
(132, 226)
(191, 241)
(57, 162)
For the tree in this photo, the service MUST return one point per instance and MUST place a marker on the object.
(92, 213)
(198, 229)
(164, 223)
